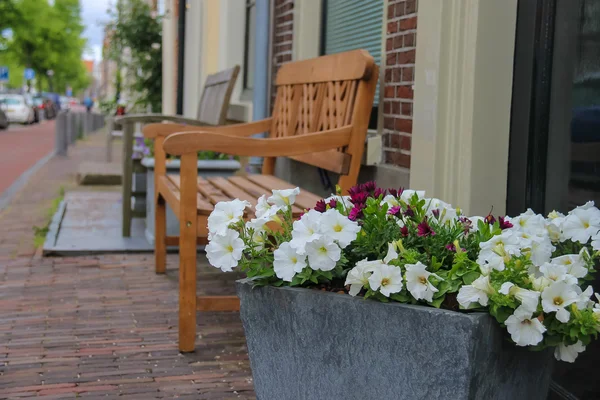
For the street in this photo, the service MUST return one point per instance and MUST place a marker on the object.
(21, 146)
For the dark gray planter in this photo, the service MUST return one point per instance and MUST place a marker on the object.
(206, 168)
(309, 344)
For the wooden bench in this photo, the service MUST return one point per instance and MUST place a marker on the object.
(320, 117)
(212, 111)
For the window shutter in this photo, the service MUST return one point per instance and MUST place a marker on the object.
(354, 24)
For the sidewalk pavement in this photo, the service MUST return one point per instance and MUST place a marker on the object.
(103, 326)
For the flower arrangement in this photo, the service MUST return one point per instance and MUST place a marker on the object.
(528, 272)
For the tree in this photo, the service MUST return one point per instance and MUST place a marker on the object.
(46, 38)
(136, 45)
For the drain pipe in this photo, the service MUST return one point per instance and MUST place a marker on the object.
(261, 70)
(180, 54)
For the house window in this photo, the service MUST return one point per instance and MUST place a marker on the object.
(249, 44)
(350, 25)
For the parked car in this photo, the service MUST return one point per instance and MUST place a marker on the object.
(46, 105)
(3, 118)
(36, 109)
(17, 109)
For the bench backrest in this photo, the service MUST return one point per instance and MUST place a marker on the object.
(325, 93)
(216, 95)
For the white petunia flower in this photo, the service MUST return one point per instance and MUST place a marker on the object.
(391, 254)
(477, 292)
(444, 210)
(568, 353)
(417, 281)
(338, 227)
(387, 279)
(525, 331)
(287, 263)
(323, 253)
(557, 273)
(581, 224)
(264, 209)
(508, 240)
(306, 230)
(284, 198)
(530, 222)
(596, 242)
(529, 299)
(225, 214)
(555, 231)
(390, 200)
(474, 222)
(488, 260)
(556, 297)
(583, 299)
(540, 283)
(407, 194)
(573, 263)
(541, 249)
(358, 276)
(224, 251)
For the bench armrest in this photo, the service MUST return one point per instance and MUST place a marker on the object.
(191, 142)
(246, 129)
(148, 118)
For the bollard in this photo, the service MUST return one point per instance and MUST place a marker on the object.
(61, 140)
(79, 133)
(69, 127)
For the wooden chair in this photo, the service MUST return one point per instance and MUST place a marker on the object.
(320, 117)
(212, 111)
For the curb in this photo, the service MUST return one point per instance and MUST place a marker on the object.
(13, 189)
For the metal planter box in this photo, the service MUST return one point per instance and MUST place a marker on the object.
(206, 168)
(310, 344)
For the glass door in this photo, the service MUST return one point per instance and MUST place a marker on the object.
(554, 161)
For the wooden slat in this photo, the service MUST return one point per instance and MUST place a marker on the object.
(174, 241)
(256, 190)
(169, 192)
(217, 303)
(350, 65)
(232, 190)
(203, 205)
(211, 192)
(331, 160)
(188, 142)
(304, 200)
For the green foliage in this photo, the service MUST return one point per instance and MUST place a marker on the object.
(137, 30)
(46, 37)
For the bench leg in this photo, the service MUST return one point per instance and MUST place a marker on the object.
(187, 253)
(160, 235)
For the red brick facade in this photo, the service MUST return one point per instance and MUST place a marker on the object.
(400, 49)
(283, 27)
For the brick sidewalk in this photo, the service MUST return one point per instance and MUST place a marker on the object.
(103, 326)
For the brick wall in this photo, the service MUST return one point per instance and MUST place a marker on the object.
(399, 78)
(282, 37)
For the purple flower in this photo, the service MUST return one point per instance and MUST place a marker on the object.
(409, 212)
(451, 247)
(436, 213)
(504, 224)
(404, 231)
(355, 213)
(396, 210)
(320, 206)
(332, 203)
(490, 219)
(359, 198)
(369, 186)
(378, 193)
(424, 230)
(355, 190)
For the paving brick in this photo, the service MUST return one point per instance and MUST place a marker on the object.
(104, 326)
